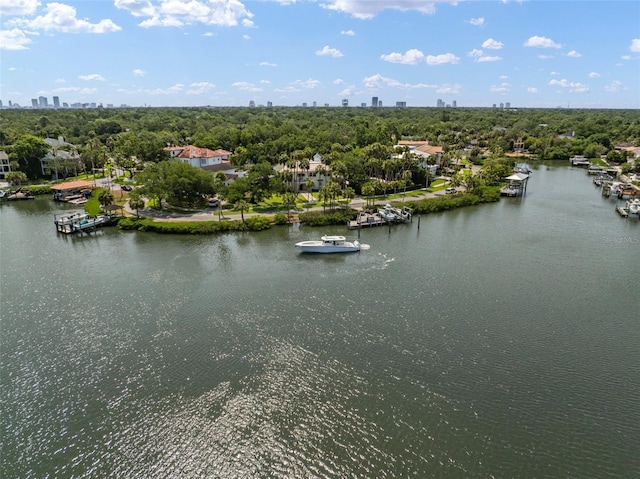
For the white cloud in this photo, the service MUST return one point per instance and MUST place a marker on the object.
(502, 88)
(545, 57)
(635, 45)
(18, 7)
(377, 81)
(369, 9)
(139, 72)
(60, 80)
(477, 22)
(309, 84)
(329, 52)
(246, 37)
(267, 64)
(209, 34)
(177, 88)
(448, 89)
(246, 86)
(532, 89)
(492, 44)
(176, 13)
(594, 75)
(574, 54)
(200, 88)
(554, 74)
(442, 59)
(489, 59)
(62, 18)
(338, 81)
(137, 8)
(410, 57)
(92, 77)
(350, 33)
(479, 56)
(541, 42)
(14, 39)
(574, 87)
(76, 89)
(614, 87)
(475, 53)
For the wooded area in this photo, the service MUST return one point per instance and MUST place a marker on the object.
(356, 144)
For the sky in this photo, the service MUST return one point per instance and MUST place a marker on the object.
(530, 54)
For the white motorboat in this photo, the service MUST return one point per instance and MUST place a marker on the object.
(633, 207)
(330, 244)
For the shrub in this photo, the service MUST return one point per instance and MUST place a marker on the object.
(318, 218)
(280, 219)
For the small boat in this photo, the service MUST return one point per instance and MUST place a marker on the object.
(633, 207)
(330, 244)
(21, 194)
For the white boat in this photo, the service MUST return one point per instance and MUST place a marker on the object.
(633, 207)
(329, 244)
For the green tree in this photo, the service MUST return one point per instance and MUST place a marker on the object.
(241, 205)
(136, 202)
(28, 150)
(105, 198)
(177, 183)
(16, 177)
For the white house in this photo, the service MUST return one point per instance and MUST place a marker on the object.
(318, 172)
(61, 156)
(198, 157)
(4, 165)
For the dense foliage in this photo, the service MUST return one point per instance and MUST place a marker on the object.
(266, 133)
(254, 223)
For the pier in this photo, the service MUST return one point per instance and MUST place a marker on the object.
(79, 222)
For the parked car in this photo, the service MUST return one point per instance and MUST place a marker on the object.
(126, 188)
(450, 191)
(214, 203)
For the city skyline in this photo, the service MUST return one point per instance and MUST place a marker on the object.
(404, 52)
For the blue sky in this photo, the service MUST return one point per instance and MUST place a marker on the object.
(578, 54)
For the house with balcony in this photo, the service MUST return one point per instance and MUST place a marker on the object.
(5, 167)
(198, 157)
(318, 172)
(62, 159)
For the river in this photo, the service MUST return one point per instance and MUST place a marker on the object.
(494, 341)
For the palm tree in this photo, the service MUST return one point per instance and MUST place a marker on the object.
(289, 199)
(406, 177)
(136, 202)
(368, 191)
(105, 198)
(241, 205)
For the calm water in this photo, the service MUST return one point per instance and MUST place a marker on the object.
(499, 341)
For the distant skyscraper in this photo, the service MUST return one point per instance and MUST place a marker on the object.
(269, 104)
(252, 104)
(56, 102)
(507, 105)
(374, 102)
(345, 102)
(454, 104)
(501, 106)
(34, 103)
(43, 102)
(0, 103)
(401, 104)
(440, 104)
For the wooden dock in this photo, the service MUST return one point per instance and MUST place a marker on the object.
(79, 222)
(367, 220)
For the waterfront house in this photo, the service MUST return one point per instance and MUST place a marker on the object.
(5, 167)
(61, 159)
(425, 153)
(317, 171)
(198, 157)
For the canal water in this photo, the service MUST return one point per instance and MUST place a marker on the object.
(494, 341)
